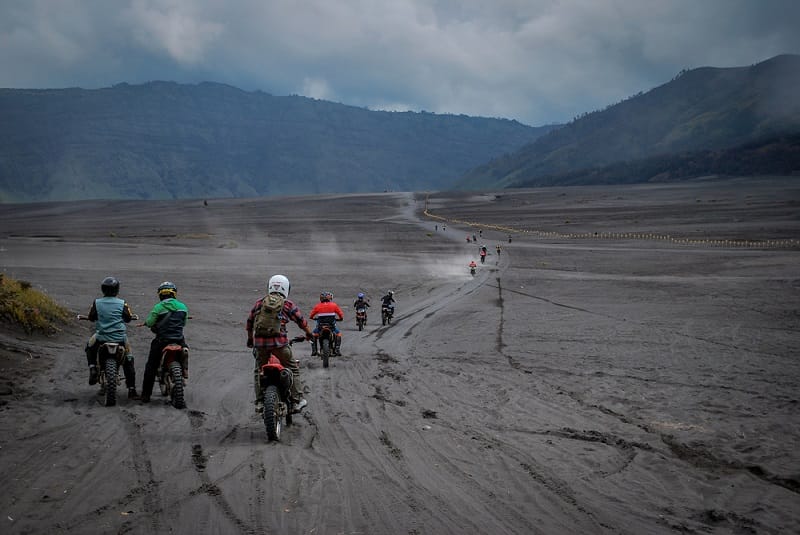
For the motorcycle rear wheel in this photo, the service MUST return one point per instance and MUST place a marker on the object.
(176, 391)
(111, 382)
(326, 352)
(272, 420)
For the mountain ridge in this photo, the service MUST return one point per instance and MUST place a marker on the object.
(708, 108)
(168, 140)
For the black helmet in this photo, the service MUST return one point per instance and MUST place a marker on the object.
(110, 287)
(167, 290)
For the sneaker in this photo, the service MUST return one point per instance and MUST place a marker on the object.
(133, 394)
(299, 405)
(259, 403)
(93, 375)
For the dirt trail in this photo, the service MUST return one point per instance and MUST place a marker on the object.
(569, 387)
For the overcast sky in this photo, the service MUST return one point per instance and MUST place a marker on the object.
(536, 61)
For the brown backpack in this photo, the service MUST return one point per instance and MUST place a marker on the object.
(267, 321)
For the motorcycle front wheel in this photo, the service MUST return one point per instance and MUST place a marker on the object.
(272, 419)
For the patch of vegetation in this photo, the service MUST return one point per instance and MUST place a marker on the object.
(23, 305)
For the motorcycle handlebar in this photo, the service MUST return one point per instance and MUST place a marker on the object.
(85, 317)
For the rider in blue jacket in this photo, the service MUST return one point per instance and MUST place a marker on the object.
(110, 314)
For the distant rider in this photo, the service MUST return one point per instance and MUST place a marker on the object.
(472, 266)
(361, 303)
(327, 312)
(278, 345)
(166, 320)
(387, 301)
(110, 314)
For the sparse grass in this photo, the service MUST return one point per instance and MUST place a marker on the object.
(23, 305)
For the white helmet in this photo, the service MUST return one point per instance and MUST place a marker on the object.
(279, 284)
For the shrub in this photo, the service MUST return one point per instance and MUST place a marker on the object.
(23, 305)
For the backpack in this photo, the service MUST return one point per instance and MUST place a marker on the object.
(267, 321)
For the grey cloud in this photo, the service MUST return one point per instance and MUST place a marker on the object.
(536, 61)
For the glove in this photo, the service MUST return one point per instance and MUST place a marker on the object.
(309, 336)
(249, 342)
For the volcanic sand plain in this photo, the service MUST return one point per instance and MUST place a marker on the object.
(627, 363)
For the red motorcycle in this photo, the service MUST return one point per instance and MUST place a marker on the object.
(361, 318)
(173, 372)
(327, 343)
(276, 385)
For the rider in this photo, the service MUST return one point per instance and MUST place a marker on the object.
(110, 314)
(361, 302)
(166, 320)
(472, 266)
(483, 254)
(328, 312)
(278, 345)
(387, 301)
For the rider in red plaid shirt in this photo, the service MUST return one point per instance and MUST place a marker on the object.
(278, 345)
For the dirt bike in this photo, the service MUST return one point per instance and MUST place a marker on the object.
(110, 360)
(387, 311)
(361, 318)
(173, 372)
(327, 342)
(472, 270)
(276, 386)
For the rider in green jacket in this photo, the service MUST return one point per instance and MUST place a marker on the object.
(166, 320)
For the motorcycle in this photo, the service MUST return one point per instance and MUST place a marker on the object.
(276, 381)
(361, 318)
(472, 270)
(387, 311)
(173, 372)
(110, 360)
(327, 343)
